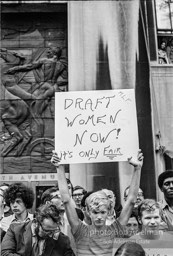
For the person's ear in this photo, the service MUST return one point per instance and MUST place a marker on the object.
(139, 220)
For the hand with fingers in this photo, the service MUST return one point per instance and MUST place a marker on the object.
(55, 160)
(137, 162)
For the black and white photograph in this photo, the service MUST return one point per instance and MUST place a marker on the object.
(86, 128)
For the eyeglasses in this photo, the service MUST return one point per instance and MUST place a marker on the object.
(79, 195)
(49, 232)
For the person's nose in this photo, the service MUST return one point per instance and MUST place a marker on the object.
(14, 205)
(99, 216)
(152, 221)
(171, 185)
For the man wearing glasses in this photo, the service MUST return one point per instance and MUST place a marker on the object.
(139, 199)
(41, 236)
(78, 194)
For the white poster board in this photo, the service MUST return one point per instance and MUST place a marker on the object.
(95, 126)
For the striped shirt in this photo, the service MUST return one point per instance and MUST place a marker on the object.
(90, 241)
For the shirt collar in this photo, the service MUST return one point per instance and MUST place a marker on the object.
(165, 205)
(28, 218)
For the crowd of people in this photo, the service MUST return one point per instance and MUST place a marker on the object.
(165, 52)
(72, 221)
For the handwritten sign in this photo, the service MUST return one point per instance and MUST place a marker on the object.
(95, 126)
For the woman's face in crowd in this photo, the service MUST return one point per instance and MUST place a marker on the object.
(98, 216)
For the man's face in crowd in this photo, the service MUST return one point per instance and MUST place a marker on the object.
(151, 220)
(18, 207)
(77, 196)
(47, 228)
(132, 227)
(98, 217)
(56, 199)
(139, 199)
(167, 188)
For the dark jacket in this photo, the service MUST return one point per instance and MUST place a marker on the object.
(18, 241)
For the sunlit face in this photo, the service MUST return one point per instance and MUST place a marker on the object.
(18, 207)
(47, 228)
(56, 199)
(132, 227)
(98, 217)
(77, 196)
(151, 220)
(167, 188)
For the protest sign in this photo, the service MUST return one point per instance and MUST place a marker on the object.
(95, 126)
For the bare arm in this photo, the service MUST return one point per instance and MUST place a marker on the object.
(63, 188)
(133, 190)
(24, 68)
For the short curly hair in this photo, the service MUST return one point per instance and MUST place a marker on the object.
(48, 211)
(148, 205)
(19, 190)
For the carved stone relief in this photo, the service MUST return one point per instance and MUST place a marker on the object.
(29, 78)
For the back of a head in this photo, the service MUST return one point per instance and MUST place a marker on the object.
(130, 249)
